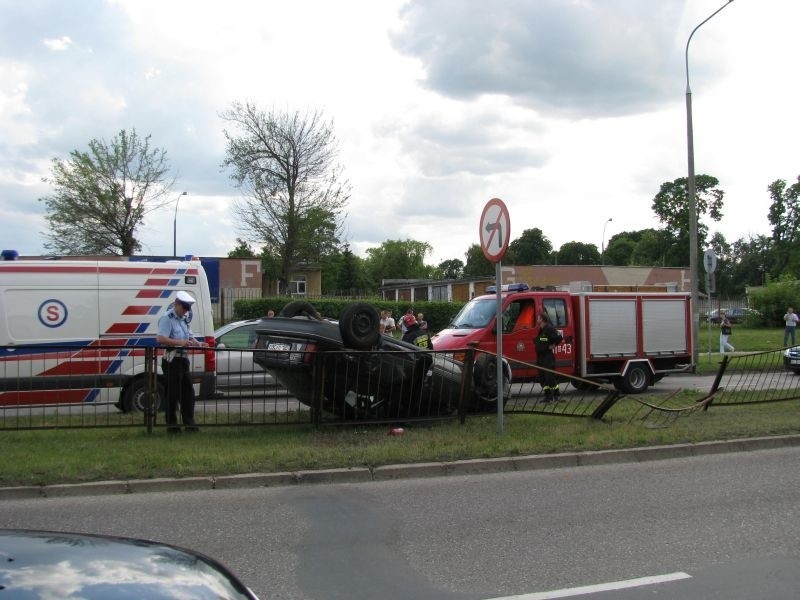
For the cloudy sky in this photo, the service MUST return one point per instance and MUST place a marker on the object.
(571, 111)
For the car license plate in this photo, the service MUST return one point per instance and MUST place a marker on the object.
(279, 346)
(794, 361)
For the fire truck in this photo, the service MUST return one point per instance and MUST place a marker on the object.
(75, 331)
(630, 340)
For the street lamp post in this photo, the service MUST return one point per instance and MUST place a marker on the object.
(693, 274)
(175, 227)
(603, 243)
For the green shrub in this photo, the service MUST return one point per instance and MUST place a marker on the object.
(437, 314)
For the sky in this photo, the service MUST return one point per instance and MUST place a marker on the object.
(573, 112)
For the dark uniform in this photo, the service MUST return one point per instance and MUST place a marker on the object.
(416, 335)
(544, 342)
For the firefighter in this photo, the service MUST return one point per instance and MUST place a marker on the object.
(415, 335)
(545, 343)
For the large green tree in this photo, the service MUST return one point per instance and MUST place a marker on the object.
(399, 259)
(294, 193)
(784, 216)
(531, 248)
(578, 253)
(450, 269)
(101, 196)
(671, 206)
(477, 264)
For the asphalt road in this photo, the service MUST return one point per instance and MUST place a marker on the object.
(730, 522)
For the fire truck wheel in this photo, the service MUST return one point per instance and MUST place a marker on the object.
(359, 326)
(134, 397)
(298, 308)
(635, 380)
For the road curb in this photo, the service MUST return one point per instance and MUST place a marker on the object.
(409, 471)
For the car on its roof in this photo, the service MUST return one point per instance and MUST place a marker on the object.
(735, 315)
(56, 564)
(356, 371)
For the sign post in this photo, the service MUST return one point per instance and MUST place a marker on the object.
(710, 264)
(494, 233)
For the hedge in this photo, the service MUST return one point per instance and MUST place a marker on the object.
(437, 314)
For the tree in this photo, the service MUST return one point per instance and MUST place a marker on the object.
(294, 192)
(452, 268)
(398, 259)
(102, 196)
(477, 264)
(530, 248)
(578, 253)
(242, 250)
(784, 216)
(671, 205)
(345, 274)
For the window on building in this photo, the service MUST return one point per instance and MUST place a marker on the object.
(297, 285)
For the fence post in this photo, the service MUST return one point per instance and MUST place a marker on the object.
(150, 378)
(466, 384)
(715, 386)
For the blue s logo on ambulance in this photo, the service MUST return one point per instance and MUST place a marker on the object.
(52, 313)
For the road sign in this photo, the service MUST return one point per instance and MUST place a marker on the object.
(710, 260)
(495, 230)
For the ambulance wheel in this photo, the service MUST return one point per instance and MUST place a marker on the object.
(635, 380)
(297, 308)
(134, 397)
(359, 326)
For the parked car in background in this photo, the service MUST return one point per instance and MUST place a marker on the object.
(236, 370)
(55, 564)
(791, 359)
(735, 315)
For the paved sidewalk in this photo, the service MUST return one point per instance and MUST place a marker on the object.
(388, 472)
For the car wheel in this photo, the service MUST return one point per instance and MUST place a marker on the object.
(359, 324)
(297, 308)
(635, 380)
(134, 398)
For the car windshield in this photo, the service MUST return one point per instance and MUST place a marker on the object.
(478, 313)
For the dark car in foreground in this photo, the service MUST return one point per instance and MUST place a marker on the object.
(54, 564)
(735, 315)
(355, 371)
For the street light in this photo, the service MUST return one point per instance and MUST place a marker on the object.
(603, 243)
(692, 197)
(175, 227)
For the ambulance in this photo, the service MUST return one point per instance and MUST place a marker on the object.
(75, 331)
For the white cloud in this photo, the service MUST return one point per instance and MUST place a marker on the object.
(58, 45)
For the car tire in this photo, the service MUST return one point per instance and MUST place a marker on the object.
(359, 326)
(133, 399)
(297, 308)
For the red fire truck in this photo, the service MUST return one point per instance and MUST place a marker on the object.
(628, 339)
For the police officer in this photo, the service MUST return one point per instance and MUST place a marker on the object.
(175, 333)
(545, 342)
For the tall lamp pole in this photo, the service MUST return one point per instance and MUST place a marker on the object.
(603, 243)
(175, 227)
(693, 274)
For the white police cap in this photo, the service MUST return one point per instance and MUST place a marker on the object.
(185, 297)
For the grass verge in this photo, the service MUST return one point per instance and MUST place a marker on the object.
(69, 456)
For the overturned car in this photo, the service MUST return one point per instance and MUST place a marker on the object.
(349, 369)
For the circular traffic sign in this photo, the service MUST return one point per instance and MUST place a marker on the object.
(494, 230)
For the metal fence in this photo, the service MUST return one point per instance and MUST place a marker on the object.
(121, 386)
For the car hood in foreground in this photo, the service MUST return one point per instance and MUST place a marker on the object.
(49, 564)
